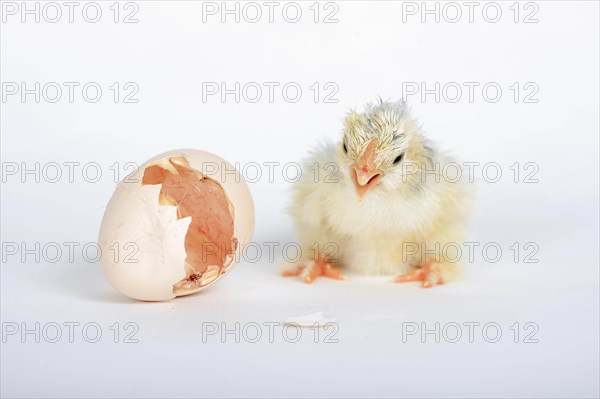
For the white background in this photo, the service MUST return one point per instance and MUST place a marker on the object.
(370, 51)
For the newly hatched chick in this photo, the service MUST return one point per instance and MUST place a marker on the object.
(381, 201)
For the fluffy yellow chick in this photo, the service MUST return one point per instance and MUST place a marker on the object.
(380, 202)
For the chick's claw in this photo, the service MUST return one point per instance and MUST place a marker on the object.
(310, 270)
(433, 276)
(414, 275)
(429, 273)
(293, 272)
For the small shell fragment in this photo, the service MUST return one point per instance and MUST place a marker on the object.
(310, 320)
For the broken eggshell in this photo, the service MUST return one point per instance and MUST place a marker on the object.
(175, 225)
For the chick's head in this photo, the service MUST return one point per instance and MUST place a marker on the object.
(381, 148)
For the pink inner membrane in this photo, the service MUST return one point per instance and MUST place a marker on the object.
(209, 241)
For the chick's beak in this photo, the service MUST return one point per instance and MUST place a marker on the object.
(365, 173)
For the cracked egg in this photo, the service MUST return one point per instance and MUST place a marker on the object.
(174, 226)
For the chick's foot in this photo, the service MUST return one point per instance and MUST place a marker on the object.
(309, 270)
(429, 273)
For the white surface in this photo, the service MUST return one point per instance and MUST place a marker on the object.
(370, 51)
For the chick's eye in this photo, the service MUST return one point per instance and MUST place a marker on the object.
(345, 148)
(398, 158)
